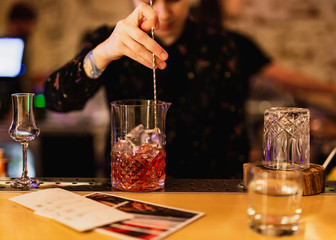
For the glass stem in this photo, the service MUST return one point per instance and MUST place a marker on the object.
(24, 175)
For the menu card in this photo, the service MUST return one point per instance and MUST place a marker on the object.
(150, 222)
(71, 209)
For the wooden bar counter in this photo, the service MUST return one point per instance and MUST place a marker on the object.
(225, 216)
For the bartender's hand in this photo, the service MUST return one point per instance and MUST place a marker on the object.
(129, 38)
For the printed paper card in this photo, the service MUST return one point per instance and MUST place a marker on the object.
(150, 222)
(71, 209)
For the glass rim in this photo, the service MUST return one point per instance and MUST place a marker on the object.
(22, 94)
(287, 109)
(257, 168)
(139, 102)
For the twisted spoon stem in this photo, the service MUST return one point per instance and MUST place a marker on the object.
(154, 75)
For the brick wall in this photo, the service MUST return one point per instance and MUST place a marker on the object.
(300, 34)
(61, 25)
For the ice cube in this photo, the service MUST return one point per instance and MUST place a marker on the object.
(135, 132)
(138, 136)
(134, 136)
(155, 137)
(124, 146)
(148, 152)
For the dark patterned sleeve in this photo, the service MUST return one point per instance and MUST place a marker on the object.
(69, 88)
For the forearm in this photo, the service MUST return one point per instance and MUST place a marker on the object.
(295, 81)
(95, 62)
(69, 87)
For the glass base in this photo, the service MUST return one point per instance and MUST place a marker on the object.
(24, 184)
(284, 166)
(118, 187)
(275, 230)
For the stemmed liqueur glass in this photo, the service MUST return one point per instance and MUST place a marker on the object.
(23, 130)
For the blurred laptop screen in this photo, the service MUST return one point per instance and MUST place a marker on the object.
(11, 51)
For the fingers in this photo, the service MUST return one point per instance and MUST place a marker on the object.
(146, 41)
(130, 38)
(145, 18)
(140, 45)
(140, 54)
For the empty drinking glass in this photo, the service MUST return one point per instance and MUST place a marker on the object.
(23, 129)
(286, 137)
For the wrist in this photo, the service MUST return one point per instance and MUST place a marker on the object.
(92, 65)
